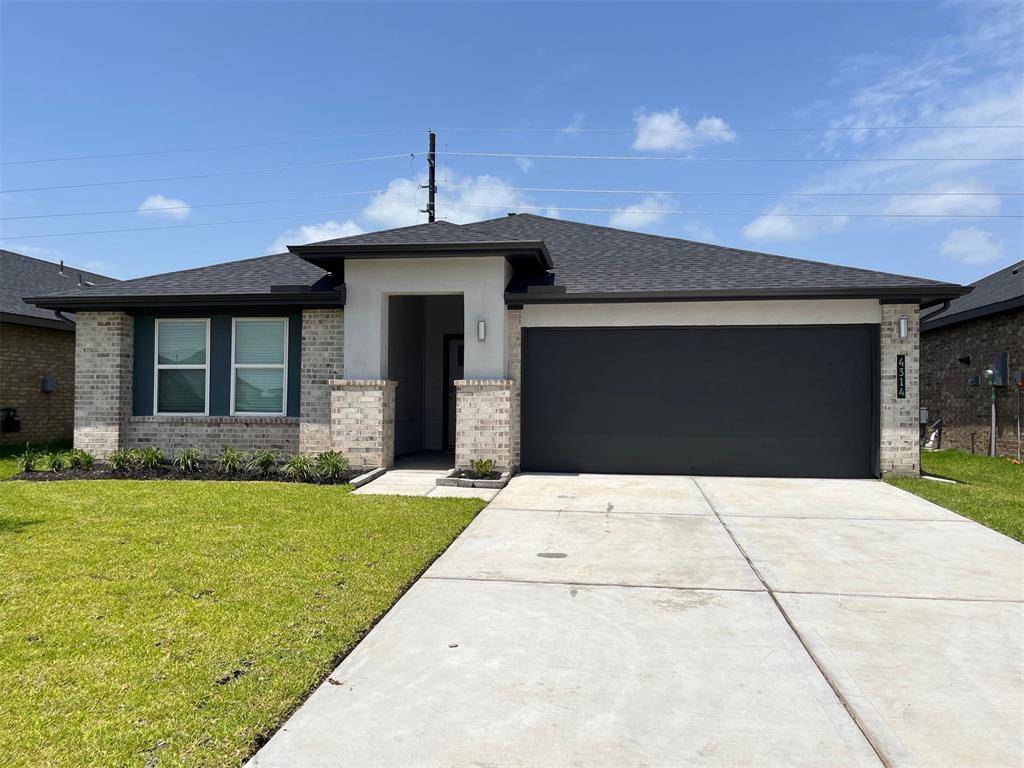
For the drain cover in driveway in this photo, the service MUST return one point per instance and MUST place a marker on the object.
(552, 554)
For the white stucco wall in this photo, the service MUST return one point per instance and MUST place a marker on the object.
(807, 312)
(369, 282)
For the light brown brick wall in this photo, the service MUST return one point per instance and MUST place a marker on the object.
(363, 421)
(483, 421)
(900, 432)
(965, 409)
(209, 434)
(323, 347)
(514, 372)
(27, 354)
(103, 380)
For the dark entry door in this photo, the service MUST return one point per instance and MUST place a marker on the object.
(454, 365)
(782, 401)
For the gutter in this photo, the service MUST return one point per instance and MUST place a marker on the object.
(290, 298)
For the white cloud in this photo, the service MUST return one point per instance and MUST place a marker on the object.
(944, 200)
(639, 215)
(697, 231)
(574, 126)
(165, 207)
(972, 246)
(668, 131)
(525, 164)
(311, 233)
(399, 205)
(469, 198)
(780, 225)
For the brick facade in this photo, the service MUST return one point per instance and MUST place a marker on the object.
(363, 421)
(514, 372)
(965, 409)
(323, 347)
(103, 380)
(27, 354)
(209, 434)
(483, 421)
(900, 452)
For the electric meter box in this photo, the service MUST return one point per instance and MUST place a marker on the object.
(1000, 370)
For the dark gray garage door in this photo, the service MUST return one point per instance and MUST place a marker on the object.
(782, 401)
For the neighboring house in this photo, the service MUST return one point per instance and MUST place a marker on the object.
(537, 342)
(37, 351)
(958, 344)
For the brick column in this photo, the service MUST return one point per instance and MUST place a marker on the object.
(513, 370)
(323, 347)
(900, 432)
(363, 421)
(103, 380)
(483, 421)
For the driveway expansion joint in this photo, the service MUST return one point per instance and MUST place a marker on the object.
(617, 585)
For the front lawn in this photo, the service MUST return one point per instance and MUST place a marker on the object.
(989, 490)
(161, 623)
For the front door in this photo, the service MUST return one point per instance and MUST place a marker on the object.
(454, 365)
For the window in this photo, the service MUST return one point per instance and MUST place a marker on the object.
(259, 362)
(182, 366)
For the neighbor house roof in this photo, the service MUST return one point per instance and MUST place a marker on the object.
(999, 292)
(553, 260)
(22, 276)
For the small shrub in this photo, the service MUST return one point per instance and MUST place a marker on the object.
(188, 460)
(230, 461)
(331, 464)
(61, 460)
(262, 463)
(82, 458)
(149, 458)
(29, 460)
(301, 467)
(122, 460)
(481, 467)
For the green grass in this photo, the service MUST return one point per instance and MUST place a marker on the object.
(8, 464)
(989, 490)
(168, 623)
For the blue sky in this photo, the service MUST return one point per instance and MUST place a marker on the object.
(319, 82)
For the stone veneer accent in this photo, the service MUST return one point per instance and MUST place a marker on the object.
(483, 421)
(323, 346)
(209, 434)
(363, 421)
(103, 380)
(514, 371)
(900, 452)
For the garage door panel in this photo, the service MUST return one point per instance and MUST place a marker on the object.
(773, 401)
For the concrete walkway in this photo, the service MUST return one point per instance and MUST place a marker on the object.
(670, 621)
(420, 482)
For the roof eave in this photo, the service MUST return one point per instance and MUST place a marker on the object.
(972, 314)
(326, 255)
(307, 299)
(55, 323)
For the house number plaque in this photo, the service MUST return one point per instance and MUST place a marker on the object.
(901, 376)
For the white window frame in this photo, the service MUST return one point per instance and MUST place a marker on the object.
(283, 365)
(158, 366)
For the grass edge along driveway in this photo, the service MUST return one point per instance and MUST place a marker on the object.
(988, 490)
(178, 623)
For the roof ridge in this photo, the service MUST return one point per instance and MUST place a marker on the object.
(206, 266)
(389, 229)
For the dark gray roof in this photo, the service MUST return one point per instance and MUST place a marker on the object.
(22, 276)
(999, 292)
(280, 277)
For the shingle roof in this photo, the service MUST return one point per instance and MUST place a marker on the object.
(22, 276)
(999, 292)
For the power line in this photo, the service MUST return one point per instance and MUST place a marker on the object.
(730, 129)
(190, 206)
(217, 173)
(740, 194)
(200, 149)
(691, 159)
(750, 213)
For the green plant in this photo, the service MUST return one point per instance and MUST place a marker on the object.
(230, 461)
(82, 458)
(481, 467)
(122, 460)
(331, 464)
(149, 458)
(61, 460)
(262, 463)
(29, 460)
(188, 460)
(301, 467)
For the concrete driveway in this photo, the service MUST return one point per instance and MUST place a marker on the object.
(597, 620)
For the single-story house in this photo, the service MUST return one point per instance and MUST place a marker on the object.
(37, 351)
(540, 343)
(982, 331)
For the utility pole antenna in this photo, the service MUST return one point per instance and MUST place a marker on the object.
(431, 175)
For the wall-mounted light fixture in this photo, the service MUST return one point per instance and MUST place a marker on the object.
(481, 330)
(904, 326)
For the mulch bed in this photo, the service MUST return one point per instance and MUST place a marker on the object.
(465, 474)
(206, 472)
